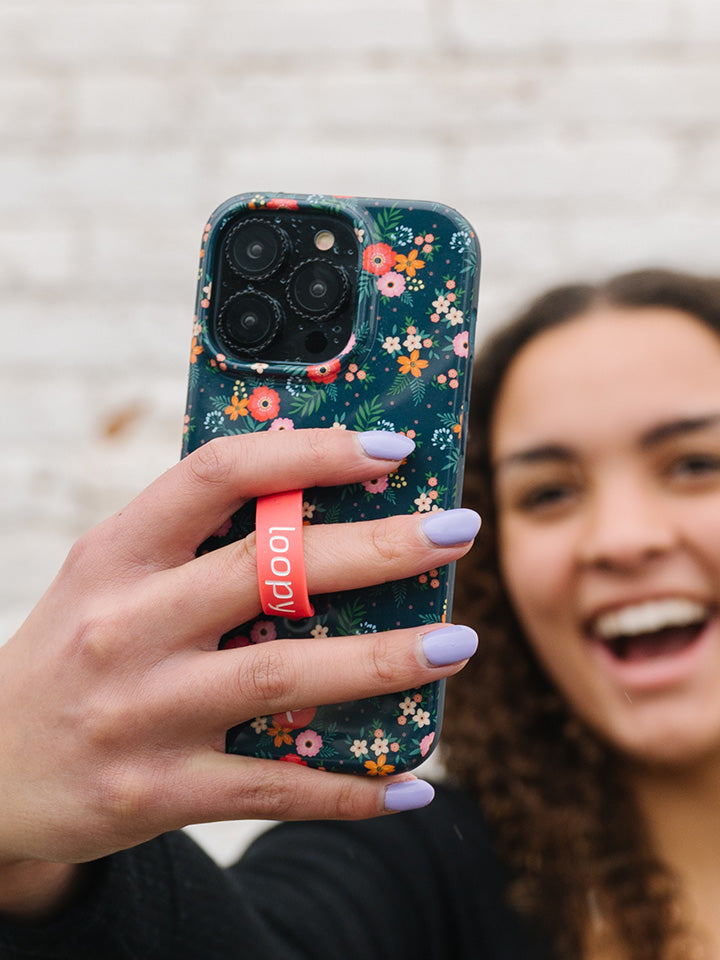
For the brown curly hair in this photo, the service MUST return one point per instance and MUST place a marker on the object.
(553, 792)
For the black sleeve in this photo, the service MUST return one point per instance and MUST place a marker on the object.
(423, 883)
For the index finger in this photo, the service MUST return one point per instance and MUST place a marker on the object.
(169, 520)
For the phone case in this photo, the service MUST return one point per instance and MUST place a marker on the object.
(406, 367)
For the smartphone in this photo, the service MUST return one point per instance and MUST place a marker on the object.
(348, 314)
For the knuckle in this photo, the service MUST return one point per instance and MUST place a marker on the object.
(83, 554)
(265, 676)
(211, 463)
(271, 795)
(347, 802)
(96, 637)
(387, 547)
(317, 446)
(382, 665)
(241, 559)
(127, 794)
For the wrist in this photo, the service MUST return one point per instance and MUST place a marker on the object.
(37, 889)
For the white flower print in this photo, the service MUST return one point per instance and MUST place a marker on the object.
(460, 241)
(308, 509)
(407, 706)
(455, 316)
(359, 748)
(391, 344)
(259, 724)
(402, 236)
(413, 341)
(380, 746)
(213, 421)
(422, 718)
(319, 632)
(442, 304)
(423, 503)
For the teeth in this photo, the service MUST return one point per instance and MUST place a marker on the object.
(649, 617)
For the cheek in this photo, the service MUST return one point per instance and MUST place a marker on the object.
(537, 567)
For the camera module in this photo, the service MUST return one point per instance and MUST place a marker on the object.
(249, 322)
(318, 289)
(256, 248)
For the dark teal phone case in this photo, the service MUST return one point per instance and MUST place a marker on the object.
(406, 368)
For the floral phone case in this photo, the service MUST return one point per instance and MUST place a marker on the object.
(397, 358)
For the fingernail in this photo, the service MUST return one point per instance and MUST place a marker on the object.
(448, 527)
(408, 795)
(449, 645)
(386, 445)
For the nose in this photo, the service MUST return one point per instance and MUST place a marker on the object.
(626, 526)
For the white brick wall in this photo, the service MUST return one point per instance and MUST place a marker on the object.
(579, 137)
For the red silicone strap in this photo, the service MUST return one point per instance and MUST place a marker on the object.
(280, 556)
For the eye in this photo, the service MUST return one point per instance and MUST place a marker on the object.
(546, 497)
(693, 465)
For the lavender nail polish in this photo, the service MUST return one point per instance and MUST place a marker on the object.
(408, 795)
(449, 645)
(449, 527)
(386, 445)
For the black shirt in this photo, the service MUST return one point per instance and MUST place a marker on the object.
(412, 885)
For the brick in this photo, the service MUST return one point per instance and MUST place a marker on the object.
(591, 172)
(40, 258)
(495, 26)
(288, 30)
(136, 108)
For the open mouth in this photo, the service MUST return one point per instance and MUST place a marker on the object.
(650, 630)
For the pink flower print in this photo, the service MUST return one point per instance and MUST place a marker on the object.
(349, 345)
(461, 344)
(282, 423)
(223, 530)
(391, 284)
(308, 743)
(262, 631)
(426, 743)
(376, 486)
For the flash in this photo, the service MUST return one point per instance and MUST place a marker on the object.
(324, 240)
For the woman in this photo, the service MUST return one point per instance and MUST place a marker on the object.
(586, 732)
(595, 463)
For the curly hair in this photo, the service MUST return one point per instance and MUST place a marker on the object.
(553, 792)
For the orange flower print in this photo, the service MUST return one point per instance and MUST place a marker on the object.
(378, 258)
(195, 350)
(279, 734)
(282, 203)
(324, 372)
(412, 364)
(379, 767)
(264, 403)
(409, 264)
(238, 407)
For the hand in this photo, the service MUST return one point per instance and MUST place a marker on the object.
(114, 699)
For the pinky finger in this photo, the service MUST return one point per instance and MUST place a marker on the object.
(228, 787)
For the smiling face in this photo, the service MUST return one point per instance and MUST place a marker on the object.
(606, 449)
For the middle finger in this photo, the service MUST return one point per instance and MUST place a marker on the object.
(203, 599)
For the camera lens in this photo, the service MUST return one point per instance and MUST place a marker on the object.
(249, 321)
(256, 248)
(318, 288)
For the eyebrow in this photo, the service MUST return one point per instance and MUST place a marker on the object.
(676, 428)
(556, 452)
